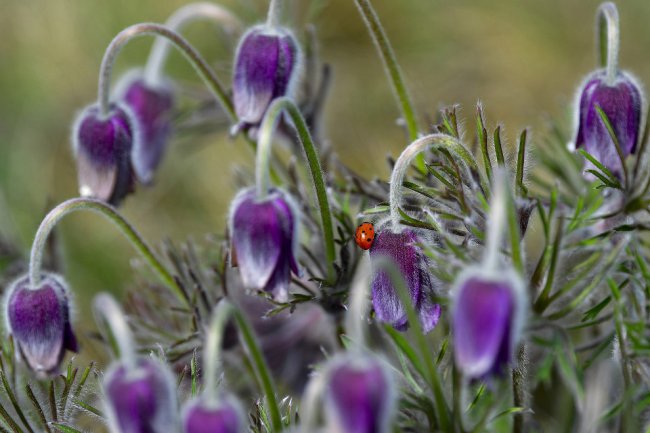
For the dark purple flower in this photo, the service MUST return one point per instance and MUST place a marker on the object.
(264, 240)
(39, 321)
(359, 395)
(152, 107)
(622, 102)
(223, 415)
(487, 317)
(140, 399)
(265, 67)
(103, 150)
(404, 251)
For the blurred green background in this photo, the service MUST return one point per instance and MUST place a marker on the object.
(523, 59)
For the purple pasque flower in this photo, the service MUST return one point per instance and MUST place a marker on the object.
(102, 146)
(360, 395)
(623, 102)
(404, 250)
(221, 415)
(487, 316)
(38, 318)
(264, 237)
(265, 69)
(140, 399)
(152, 105)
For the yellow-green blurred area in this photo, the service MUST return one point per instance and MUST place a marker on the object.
(523, 59)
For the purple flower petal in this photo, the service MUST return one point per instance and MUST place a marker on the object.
(622, 103)
(482, 319)
(39, 321)
(264, 66)
(141, 400)
(359, 396)
(221, 416)
(152, 108)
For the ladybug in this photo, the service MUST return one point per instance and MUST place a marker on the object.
(365, 235)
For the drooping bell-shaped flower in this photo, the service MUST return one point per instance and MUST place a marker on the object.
(141, 398)
(38, 318)
(359, 395)
(487, 317)
(152, 106)
(265, 69)
(102, 146)
(221, 415)
(264, 237)
(622, 101)
(404, 250)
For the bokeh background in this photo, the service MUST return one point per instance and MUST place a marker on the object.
(523, 59)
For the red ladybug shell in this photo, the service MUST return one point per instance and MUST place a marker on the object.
(365, 235)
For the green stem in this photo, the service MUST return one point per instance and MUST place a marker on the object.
(262, 165)
(275, 13)
(110, 213)
(397, 279)
(608, 39)
(106, 308)
(225, 310)
(190, 53)
(177, 21)
(393, 71)
(212, 350)
(518, 389)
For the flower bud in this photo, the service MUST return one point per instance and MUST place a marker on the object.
(102, 146)
(152, 107)
(404, 251)
(623, 103)
(359, 395)
(488, 313)
(39, 321)
(223, 415)
(140, 399)
(265, 69)
(264, 239)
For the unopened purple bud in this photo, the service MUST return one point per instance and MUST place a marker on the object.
(102, 146)
(359, 395)
(623, 103)
(404, 250)
(264, 239)
(140, 399)
(488, 314)
(265, 68)
(222, 415)
(39, 321)
(152, 106)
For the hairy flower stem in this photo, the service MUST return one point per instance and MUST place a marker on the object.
(405, 159)
(519, 389)
(275, 13)
(608, 40)
(397, 280)
(355, 318)
(107, 311)
(110, 213)
(212, 351)
(176, 22)
(262, 165)
(223, 312)
(393, 71)
(138, 30)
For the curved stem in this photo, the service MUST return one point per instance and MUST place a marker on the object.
(212, 350)
(393, 71)
(138, 30)
(105, 307)
(608, 39)
(358, 310)
(405, 159)
(107, 211)
(262, 165)
(496, 222)
(223, 312)
(176, 22)
(275, 13)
